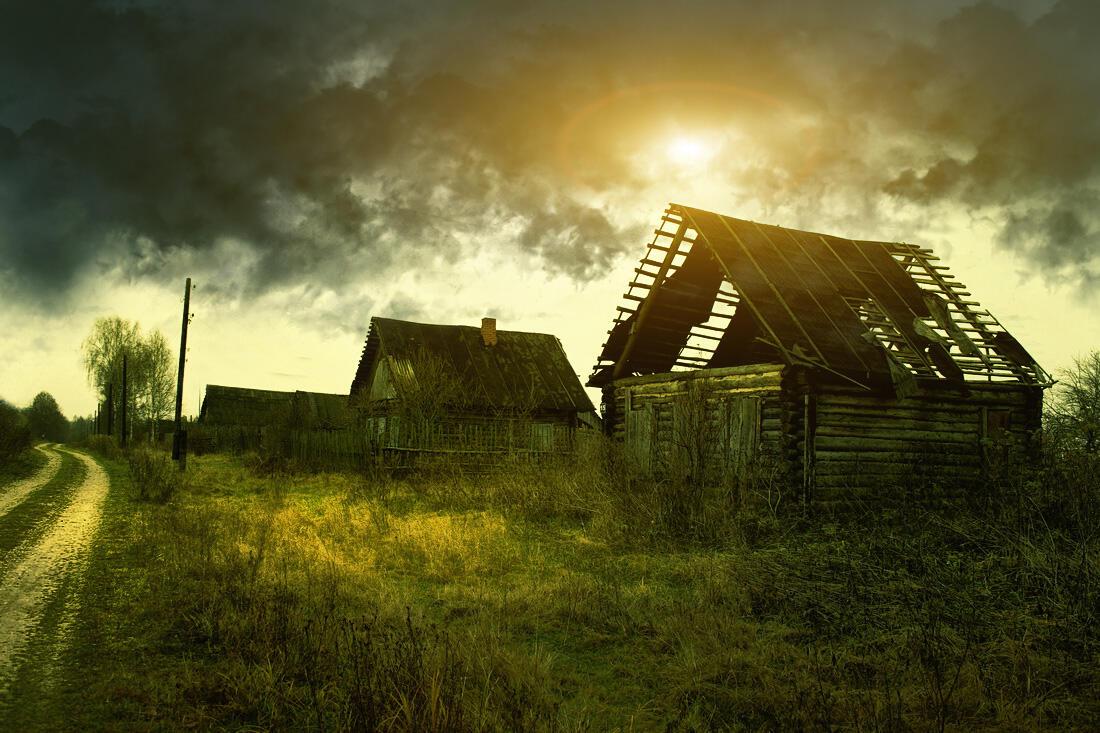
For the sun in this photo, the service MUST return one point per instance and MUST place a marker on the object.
(684, 150)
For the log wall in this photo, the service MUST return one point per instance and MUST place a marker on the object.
(942, 437)
(832, 440)
(715, 422)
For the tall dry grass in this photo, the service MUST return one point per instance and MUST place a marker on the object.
(571, 596)
(294, 631)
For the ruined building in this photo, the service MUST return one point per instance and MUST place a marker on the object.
(837, 365)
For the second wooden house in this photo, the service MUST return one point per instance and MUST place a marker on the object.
(466, 390)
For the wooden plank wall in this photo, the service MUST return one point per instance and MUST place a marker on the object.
(940, 437)
(833, 441)
(223, 438)
(741, 418)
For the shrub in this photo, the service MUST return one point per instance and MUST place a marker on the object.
(267, 463)
(15, 436)
(104, 446)
(153, 475)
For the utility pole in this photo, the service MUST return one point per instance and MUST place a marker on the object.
(110, 408)
(122, 432)
(179, 438)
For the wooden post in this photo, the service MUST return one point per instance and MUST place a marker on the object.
(110, 408)
(122, 430)
(809, 450)
(179, 441)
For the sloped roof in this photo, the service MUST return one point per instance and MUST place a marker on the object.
(714, 291)
(321, 410)
(243, 406)
(522, 371)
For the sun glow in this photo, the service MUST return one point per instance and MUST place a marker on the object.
(688, 151)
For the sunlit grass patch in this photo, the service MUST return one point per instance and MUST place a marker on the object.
(446, 547)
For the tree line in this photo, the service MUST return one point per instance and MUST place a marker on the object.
(42, 419)
(149, 391)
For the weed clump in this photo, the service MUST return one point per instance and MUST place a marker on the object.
(104, 446)
(153, 474)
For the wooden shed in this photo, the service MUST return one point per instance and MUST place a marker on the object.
(840, 365)
(319, 411)
(234, 418)
(427, 388)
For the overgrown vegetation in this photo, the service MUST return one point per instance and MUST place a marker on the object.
(105, 446)
(15, 434)
(1072, 419)
(153, 474)
(581, 596)
(569, 598)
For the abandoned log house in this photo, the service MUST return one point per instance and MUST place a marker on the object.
(433, 389)
(839, 366)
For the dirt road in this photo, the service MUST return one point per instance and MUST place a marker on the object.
(12, 495)
(47, 524)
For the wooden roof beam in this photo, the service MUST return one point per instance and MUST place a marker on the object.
(647, 304)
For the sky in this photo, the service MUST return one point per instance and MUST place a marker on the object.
(310, 165)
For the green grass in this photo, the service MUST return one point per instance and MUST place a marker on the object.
(544, 601)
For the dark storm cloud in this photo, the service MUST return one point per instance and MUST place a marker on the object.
(1014, 108)
(335, 143)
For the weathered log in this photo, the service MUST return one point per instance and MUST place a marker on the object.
(904, 456)
(897, 422)
(943, 433)
(826, 444)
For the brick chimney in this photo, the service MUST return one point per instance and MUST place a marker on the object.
(488, 332)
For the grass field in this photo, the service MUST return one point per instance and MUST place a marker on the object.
(555, 600)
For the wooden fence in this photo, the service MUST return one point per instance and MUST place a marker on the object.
(391, 444)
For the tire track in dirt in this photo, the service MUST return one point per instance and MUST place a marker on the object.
(26, 588)
(15, 493)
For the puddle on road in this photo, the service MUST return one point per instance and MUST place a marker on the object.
(15, 493)
(25, 589)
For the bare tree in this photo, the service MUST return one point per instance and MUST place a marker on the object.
(427, 389)
(149, 368)
(1073, 413)
(157, 385)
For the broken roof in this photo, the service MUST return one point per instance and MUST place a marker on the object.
(714, 291)
(521, 371)
(243, 406)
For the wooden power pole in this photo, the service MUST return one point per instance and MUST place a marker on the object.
(110, 408)
(125, 413)
(179, 438)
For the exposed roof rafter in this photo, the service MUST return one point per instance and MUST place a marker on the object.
(858, 309)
